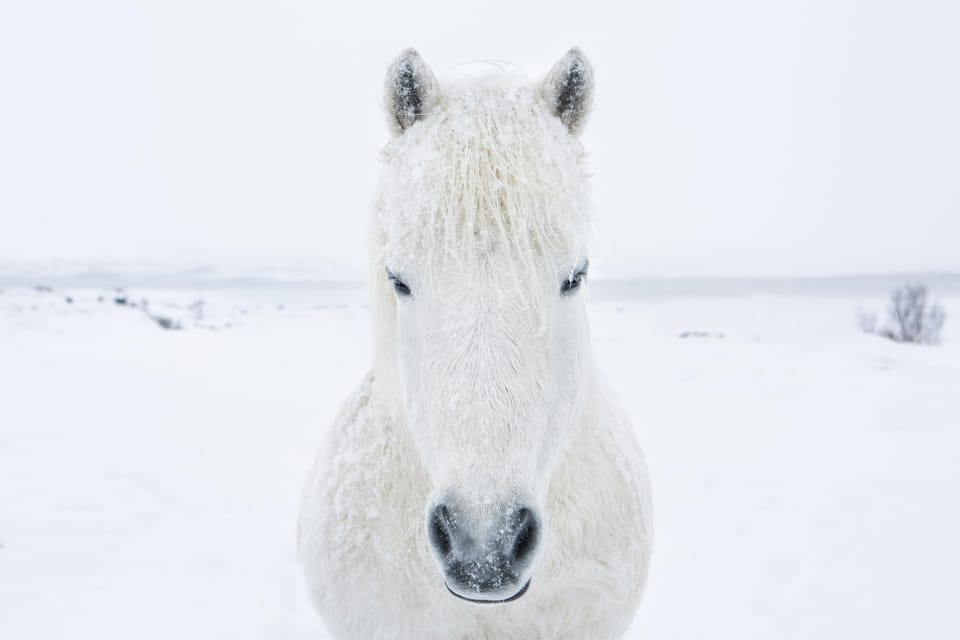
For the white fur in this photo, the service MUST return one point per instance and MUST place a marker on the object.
(483, 385)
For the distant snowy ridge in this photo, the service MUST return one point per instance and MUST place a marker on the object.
(65, 275)
(68, 274)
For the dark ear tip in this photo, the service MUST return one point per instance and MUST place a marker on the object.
(569, 87)
(407, 56)
(575, 57)
(408, 62)
(411, 90)
(577, 63)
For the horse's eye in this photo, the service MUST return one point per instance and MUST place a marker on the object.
(570, 285)
(573, 282)
(398, 285)
(401, 288)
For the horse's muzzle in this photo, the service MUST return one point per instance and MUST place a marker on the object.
(486, 564)
(515, 596)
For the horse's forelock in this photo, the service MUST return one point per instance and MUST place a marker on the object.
(491, 166)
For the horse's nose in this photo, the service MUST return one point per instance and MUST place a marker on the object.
(485, 561)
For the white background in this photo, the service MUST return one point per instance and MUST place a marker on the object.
(804, 472)
(741, 137)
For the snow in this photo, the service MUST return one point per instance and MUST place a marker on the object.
(805, 476)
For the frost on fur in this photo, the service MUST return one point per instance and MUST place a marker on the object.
(411, 90)
(482, 384)
(493, 167)
(569, 89)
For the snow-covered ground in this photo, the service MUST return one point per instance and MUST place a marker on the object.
(805, 474)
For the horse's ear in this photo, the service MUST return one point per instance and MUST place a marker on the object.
(411, 90)
(568, 89)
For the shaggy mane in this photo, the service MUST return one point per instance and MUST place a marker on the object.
(490, 167)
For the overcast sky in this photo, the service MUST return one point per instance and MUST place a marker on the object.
(728, 137)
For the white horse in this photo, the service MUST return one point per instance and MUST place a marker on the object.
(482, 481)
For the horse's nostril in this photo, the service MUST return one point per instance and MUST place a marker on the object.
(526, 537)
(439, 530)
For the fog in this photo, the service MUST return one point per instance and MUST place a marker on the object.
(728, 138)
